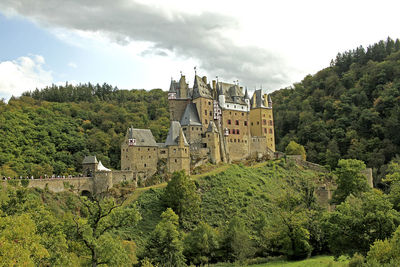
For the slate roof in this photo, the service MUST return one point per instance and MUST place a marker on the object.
(143, 137)
(173, 134)
(212, 127)
(200, 88)
(190, 116)
(233, 93)
(90, 160)
(258, 98)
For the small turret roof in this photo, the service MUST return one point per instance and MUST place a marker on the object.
(258, 101)
(90, 160)
(190, 116)
(212, 127)
(173, 134)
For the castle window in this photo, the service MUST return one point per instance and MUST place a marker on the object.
(185, 150)
(149, 157)
(237, 131)
(245, 141)
(264, 115)
(251, 124)
(265, 130)
(174, 150)
(184, 128)
(197, 128)
(234, 107)
(154, 149)
(210, 113)
(162, 152)
(258, 123)
(235, 113)
(141, 157)
(269, 116)
(148, 149)
(264, 122)
(270, 131)
(228, 107)
(270, 122)
(145, 165)
(209, 103)
(176, 160)
(206, 121)
(237, 122)
(242, 108)
(205, 112)
(208, 135)
(138, 149)
(234, 140)
(192, 128)
(231, 140)
(229, 122)
(242, 113)
(245, 123)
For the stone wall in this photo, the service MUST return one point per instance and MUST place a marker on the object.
(177, 108)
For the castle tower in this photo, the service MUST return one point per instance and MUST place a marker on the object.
(139, 152)
(213, 143)
(203, 98)
(261, 118)
(178, 149)
(89, 166)
(179, 95)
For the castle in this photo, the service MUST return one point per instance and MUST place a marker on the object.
(209, 123)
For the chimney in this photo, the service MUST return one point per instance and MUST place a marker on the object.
(204, 79)
(214, 84)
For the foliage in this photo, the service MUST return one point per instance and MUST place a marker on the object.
(51, 130)
(180, 195)
(349, 180)
(347, 110)
(165, 246)
(20, 244)
(236, 243)
(358, 222)
(294, 148)
(202, 245)
(96, 230)
(385, 251)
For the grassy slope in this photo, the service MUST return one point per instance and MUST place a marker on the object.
(226, 191)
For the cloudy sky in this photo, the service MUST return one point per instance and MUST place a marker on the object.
(143, 43)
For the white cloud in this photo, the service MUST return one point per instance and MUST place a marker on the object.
(23, 74)
(72, 65)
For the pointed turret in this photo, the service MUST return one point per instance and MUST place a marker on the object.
(246, 95)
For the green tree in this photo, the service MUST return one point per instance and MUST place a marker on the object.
(358, 222)
(202, 244)
(294, 148)
(349, 180)
(96, 230)
(386, 251)
(20, 243)
(165, 246)
(236, 242)
(180, 195)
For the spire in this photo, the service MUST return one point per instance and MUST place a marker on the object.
(181, 138)
(246, 95)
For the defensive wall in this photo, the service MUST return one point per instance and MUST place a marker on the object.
(102, 181)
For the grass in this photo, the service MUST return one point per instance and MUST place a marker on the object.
(317, 261)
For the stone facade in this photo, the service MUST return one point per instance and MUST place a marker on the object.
(242, 126)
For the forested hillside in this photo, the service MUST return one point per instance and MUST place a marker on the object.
(51, 130)
(348, 110)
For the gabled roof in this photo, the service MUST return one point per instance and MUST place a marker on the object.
(90, 160)
(190, 116)
(233, 93)
(143, 137)
(257, 101)
(200, 88)
(173, 134)
(212, 127)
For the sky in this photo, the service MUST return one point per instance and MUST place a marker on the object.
(142, 44)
